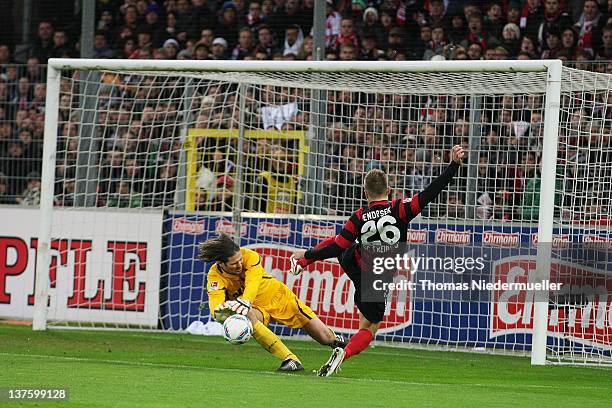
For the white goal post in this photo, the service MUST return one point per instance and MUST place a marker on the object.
(228, 126)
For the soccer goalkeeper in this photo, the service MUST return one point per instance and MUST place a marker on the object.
(381, 224)
(237, 283)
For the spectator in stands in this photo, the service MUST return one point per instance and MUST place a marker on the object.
(204, 13)
(369, 51)
(265, 42)
(306, 49)
(511, 35)
(396, 43)
(170, 48)
(275, 188)
(332, 24)
(437, 44)
(605, 52)
(347, 192)
(458, 29)
(254, 18)
(553, 45)
(569, 42)
(130, 19)
(186, 21)
(106, 21)
(125, 196)
(590, 23)
(223, 196)
(152, 26)
(227, 26)
(514, 13)
(201, 52)
(293, 40)
(5, 197)
(219, 47)
(476, 33)
(494, 22)
(530, 206)
(455, 207)
(286, 16)
(31, 195)
(22, 94)
(206, 37)
(245, 44)
(475, 51)
(371, 26)
(101, 48)
(582, 58)
(417, 171)
(532, 15)
(348, 52)
(43, 46)
(347, 35)
(61, 49)
(554, 19)
(528, 47)
(5, 56)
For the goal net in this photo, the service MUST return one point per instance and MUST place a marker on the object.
(151, 159)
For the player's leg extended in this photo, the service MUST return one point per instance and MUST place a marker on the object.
(359, 342)
(362, 339)
(323, 334)
(267, 339)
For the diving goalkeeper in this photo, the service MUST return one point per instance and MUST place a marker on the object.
(237, 283)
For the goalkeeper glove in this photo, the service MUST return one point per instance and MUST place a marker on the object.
(295, 268)
(241, 306)
(224, 310)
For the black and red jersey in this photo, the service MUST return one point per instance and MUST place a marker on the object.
(382, 222)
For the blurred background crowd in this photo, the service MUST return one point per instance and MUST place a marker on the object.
(408, 137)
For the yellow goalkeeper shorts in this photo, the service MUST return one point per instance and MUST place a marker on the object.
(286, 308)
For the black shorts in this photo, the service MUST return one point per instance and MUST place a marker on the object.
(371, 303)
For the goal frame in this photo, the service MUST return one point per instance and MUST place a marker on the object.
(553, 68)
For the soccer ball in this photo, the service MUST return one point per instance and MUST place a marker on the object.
(237, 329)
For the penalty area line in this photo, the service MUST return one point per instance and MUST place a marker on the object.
(272, 374)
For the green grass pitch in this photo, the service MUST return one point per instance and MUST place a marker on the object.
(130, 369)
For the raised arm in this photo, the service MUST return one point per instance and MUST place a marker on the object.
(411, 207)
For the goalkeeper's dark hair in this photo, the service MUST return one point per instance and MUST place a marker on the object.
(376, 183)
(218, 249)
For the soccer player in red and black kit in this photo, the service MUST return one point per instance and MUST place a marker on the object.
(382, 222)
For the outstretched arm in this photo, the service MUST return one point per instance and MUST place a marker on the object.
(411, 207)
(331, 248)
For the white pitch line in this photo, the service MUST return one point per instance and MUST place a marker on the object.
(266, 373)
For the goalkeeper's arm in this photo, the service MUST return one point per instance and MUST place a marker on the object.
(220, 308)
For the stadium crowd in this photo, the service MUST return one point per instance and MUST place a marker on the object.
(139, 162)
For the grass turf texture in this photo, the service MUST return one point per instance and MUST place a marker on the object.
(122, 369)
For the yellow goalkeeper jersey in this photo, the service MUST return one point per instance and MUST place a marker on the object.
(253, 284)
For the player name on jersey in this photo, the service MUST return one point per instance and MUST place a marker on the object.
(375, 214)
